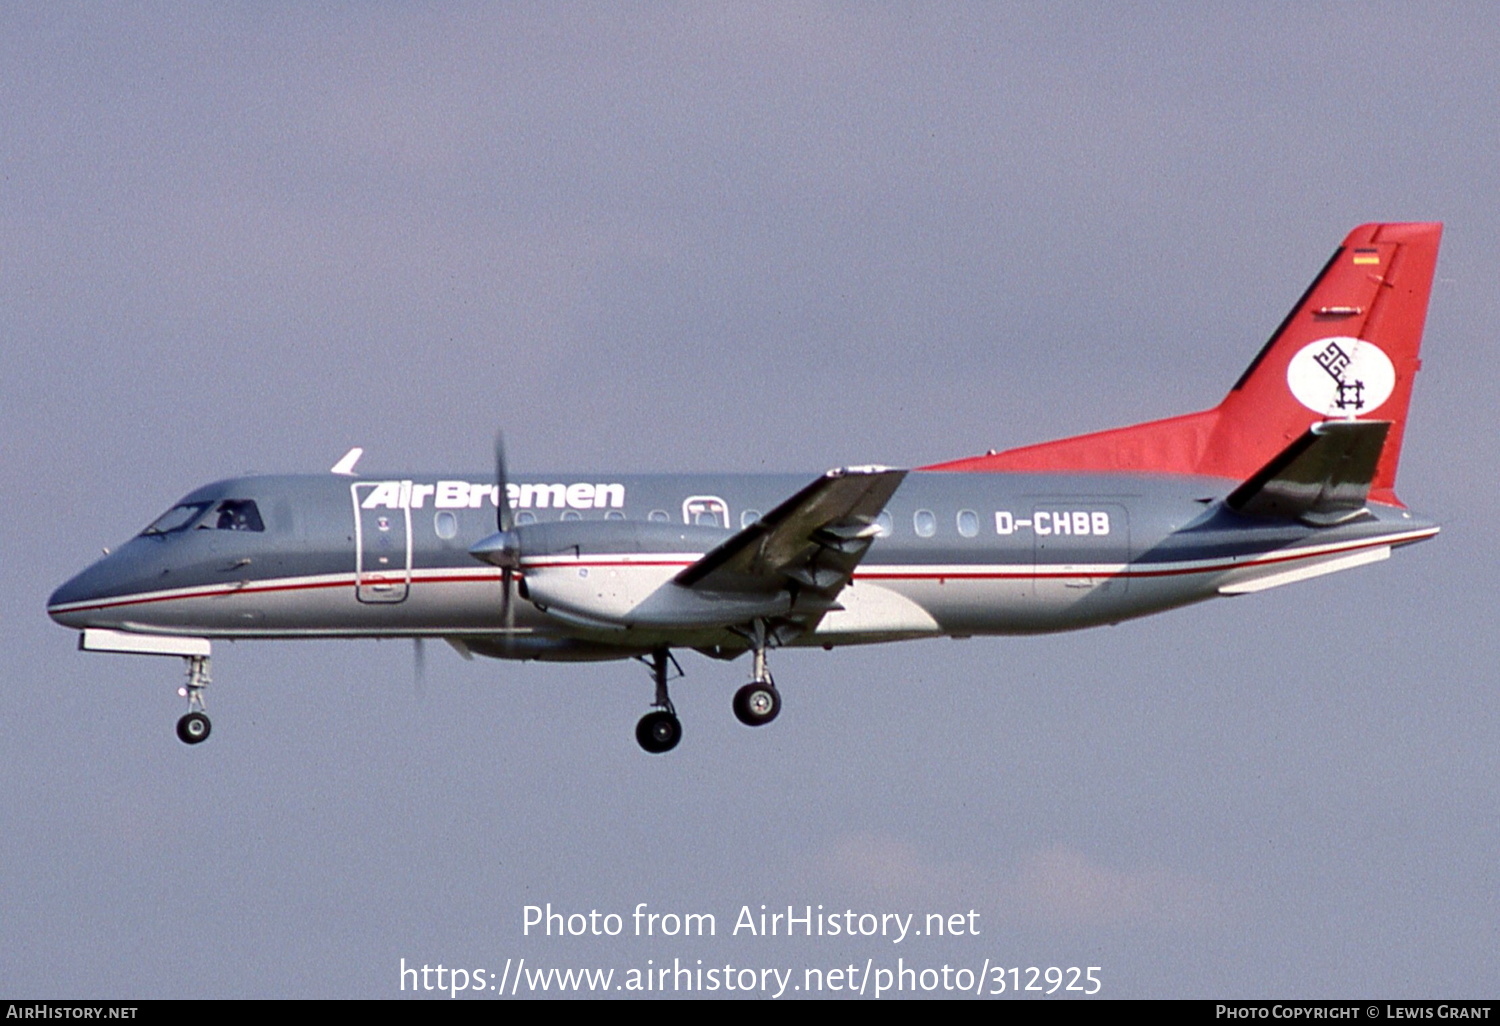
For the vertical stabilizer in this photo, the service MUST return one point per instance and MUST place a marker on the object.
(1348, 350)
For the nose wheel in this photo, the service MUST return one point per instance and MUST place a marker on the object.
(194, 727)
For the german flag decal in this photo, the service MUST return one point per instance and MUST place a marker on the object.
(1367, 256)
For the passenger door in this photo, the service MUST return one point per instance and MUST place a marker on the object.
(382, 546)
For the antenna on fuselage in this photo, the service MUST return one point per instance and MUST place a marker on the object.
(345, 466)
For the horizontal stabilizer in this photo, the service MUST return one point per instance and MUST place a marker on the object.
(1307, 571)
(1322, 478)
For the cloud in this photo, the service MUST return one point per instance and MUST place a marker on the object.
(1056, 886)
(881, 864)
(1064, 886)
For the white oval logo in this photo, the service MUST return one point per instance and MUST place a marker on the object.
(1341, 377)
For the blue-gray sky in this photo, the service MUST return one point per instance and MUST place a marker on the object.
(760, 236)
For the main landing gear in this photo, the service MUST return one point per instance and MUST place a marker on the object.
(659, 731)
(758, 702)
(755, 704)
(194, 727)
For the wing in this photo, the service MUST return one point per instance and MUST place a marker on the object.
(810, 543)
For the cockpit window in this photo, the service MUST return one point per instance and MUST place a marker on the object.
(234, 515)
(177, 518)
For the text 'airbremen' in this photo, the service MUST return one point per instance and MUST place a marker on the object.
(468, 495)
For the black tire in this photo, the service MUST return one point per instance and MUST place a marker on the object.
(757, 703)
(193, 728)
(658, 732)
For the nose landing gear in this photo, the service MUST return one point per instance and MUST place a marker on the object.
(194, 727)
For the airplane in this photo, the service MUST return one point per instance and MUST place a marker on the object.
(1292, 476)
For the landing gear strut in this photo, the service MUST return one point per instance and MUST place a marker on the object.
(660, 731)
(194, 727)
(758, 702)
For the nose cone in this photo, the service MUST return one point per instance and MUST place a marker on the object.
(90, 598)
(76, 603)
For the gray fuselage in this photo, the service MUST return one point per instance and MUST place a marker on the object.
(959, 554)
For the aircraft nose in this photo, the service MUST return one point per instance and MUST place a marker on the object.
(80, 600)
(63, 605)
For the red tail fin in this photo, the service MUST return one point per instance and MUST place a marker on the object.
(1347, 350)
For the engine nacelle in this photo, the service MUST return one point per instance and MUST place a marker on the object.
(616, 575)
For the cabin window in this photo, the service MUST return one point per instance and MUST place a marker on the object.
(525, 517)
(234, 515)
(883, 523)
(658, 516)
(572, 514)
(925, 522)
(177, 518)
(968, 523)
(614, 514)
(445, 523)
(749, 517)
